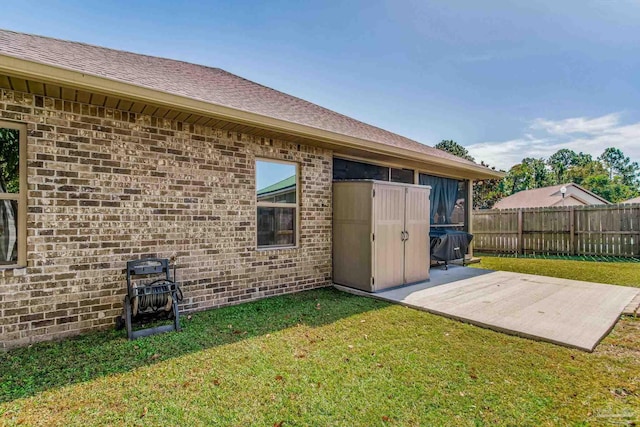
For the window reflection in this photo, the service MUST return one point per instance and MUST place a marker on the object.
(277, 197)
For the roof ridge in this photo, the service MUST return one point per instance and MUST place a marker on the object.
(113, 49)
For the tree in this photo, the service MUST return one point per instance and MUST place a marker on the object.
(612, 190)
(454, 148)
(538, 170)
(585, 169)
(529, 174)
(582, 159)
(9, 160)
(614, 160)
(517, 179)
(612, 176)
(486, 192)
(560, 163)
(620, 166)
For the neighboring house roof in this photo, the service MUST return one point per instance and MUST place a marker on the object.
(634, 200)
(285, 184)
(551, 196)
(213, 86)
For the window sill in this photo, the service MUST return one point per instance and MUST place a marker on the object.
(12, 267)
(275, 248)
(13, 270)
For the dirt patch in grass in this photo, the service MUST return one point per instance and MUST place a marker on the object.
(624, 341)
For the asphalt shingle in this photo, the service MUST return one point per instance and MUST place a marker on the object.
(198, 82)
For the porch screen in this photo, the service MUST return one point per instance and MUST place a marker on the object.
(444, 199)
(402, 175)
(349, 169)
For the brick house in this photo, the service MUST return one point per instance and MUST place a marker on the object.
(116, 156)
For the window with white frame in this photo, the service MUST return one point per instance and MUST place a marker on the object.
(277, 203)
(13, 194)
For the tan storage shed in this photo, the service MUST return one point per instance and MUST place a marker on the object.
(380, 234)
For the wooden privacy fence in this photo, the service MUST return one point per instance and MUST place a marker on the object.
(604, 230)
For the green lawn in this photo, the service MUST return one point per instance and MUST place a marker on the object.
(616, 273)
(325, 358)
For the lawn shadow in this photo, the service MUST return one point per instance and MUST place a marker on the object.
(27, 371)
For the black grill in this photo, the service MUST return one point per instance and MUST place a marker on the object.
(449, 245)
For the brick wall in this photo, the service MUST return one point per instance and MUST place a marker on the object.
(106, 186)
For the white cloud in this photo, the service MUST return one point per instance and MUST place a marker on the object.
(544, 137)
(577, 124)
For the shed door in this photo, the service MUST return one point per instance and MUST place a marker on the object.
(416, 266)
(388, 254)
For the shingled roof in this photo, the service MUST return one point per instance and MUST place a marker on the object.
(548, 196)
(202, 83)
(289, 182)
(635, 200)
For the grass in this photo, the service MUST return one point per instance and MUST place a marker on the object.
(592, 258)
(615, 273)
(324, 358)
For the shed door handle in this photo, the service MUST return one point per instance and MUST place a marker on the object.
(407, 235)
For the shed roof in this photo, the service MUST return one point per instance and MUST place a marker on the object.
(202, 83)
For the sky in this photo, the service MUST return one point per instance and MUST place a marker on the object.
(506, 79)
(269, 173)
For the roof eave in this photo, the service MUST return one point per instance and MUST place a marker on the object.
(592, 194)
(65, 77)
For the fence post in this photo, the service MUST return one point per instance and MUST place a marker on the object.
(520, 242)
(572, 230)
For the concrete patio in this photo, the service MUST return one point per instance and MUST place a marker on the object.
(566, 312)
